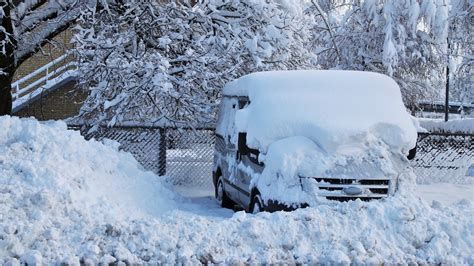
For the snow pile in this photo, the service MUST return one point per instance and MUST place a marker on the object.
(402, 229)
(447, 193)
(453, 126)
(54, 184)
(328, 107)
(66, 200)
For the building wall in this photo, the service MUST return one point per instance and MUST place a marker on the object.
(61, 103)
(66, 101)
(57, 47)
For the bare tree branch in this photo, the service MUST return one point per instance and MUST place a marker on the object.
(326, 22)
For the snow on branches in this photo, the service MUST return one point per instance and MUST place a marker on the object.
(166, 63)
(25, 26)
(34, 22)
(401, 38)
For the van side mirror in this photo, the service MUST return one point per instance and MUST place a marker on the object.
(242, 144)
(412, 153)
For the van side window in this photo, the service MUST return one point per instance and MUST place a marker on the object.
(225, 125)
(243, 103)
(253, 156)
(244, 150)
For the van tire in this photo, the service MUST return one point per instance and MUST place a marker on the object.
(221, 195)
(256, 204)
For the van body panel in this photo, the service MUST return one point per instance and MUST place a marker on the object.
(225, 156)
(247, 166)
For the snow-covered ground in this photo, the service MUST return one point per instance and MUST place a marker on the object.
(445, 193)
(64, 199)
(455, 126)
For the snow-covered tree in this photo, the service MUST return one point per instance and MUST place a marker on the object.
(26, 26)
(401, 38)
(166, 63)
(461, 50)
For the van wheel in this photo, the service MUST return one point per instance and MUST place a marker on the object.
(221, 196)
(256, 205)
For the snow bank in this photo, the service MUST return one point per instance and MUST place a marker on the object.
(67, 200)
(447, 193)
(399, 230)
(54, 184)
(453, 126)
(328, 107)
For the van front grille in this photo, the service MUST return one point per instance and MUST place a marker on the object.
(333, 188)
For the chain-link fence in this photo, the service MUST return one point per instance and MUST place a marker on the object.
(185, 156)
(144, 143)
(444, 158)
(189, 156)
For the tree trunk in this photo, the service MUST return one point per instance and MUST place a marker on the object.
(5, 95)
(7, 61)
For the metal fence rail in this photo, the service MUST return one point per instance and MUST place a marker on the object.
(185, 156)
(42, 80)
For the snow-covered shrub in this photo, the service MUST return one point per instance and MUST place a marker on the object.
(167, 63)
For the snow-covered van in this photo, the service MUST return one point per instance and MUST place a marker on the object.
(288, 139)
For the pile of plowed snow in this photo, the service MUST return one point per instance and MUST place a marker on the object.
(64, 199)
(54, 185)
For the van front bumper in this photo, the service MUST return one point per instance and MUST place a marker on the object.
(274, 205)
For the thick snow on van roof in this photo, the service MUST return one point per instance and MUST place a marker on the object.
(330, 107)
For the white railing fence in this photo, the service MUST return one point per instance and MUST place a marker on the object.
(42, 79)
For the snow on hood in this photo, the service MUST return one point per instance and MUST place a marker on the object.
(292, 163)
(329, 107)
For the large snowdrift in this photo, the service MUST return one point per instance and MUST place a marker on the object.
(64, 199)
(54, 184)
(329, 107)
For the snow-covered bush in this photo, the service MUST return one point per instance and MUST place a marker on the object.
(167, 63)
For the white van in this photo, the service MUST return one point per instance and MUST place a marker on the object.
(288, 139)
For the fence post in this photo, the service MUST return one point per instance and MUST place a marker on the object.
(162, 152)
